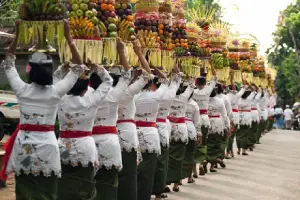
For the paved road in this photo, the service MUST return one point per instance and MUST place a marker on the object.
(271, 172)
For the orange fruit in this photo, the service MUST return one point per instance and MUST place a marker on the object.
(104, 6)
(182, 40)
(161, 32)
(177, 44)
(130, 18)
(177, 40)
(161, 26)
(110, 7)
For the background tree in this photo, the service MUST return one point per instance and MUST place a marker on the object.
(285, 53)
(213, 4)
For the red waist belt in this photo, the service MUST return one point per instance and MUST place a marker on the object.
(10, 143)
(145, 124)
(125, 121)
(203, 112)
(187, 119)
(245, 110)
(214, 116)
(100, 130)
(235, 110)
(253, 108)
(74, 134)
(161, 120)
(176, 120)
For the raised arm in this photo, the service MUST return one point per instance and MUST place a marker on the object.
(122, 56)
(138, 51)
(160, 92)
(209, 87)
(16, 83)
(61, 72)
(196, 115)
(258, 95)
(138, 85)
(101, 92)
(173, 87)
(187, 93)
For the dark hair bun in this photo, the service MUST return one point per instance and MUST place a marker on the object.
(41, 73)
(95, 80)
(80, 86)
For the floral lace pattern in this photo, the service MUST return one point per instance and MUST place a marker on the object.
(179, 132)
(254, 116)
(149, 140)
(128, 136)
(77, 69)
(164, 135)
(9, 61)
(192, 132)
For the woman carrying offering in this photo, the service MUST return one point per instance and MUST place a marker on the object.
(32, 152)
(127, 131)
(78, 151)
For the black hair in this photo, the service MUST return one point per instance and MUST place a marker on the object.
(95, 80)
(181, 89)
(115, 79)
(231, 88)
(41, 73)
(200, 80)
(191, 95)
(220, 89)
(262, 94)
(246, 94)
(155, 81)
(80, 86)
(214, 92)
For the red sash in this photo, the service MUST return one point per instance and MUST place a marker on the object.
(203, 112)
(161, 120)
(187, 119)
(125, 121)
(145, 124)
(235, 110)
(214, 116)
(100, 130)
(176, 120)
(253, 108)
(74, 134)
(245, 110)
(10, 143)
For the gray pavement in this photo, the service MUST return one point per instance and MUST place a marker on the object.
(271, 172)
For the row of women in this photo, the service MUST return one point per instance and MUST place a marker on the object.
(124, 134)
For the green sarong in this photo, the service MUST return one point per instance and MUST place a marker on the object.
(214, 149)
(106, 184)
(127, 188)
(160, 177)
(176, 156)
(252, 135)
(270, 123)
(76, 183)
(223, 144)
(242, 137)
(35, 187)
(188, 161)
(230, 140)
(260, 129)
(145, 176)
(201, 149)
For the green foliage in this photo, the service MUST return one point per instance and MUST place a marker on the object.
(285, 53)
(213, 4)
(9, 12)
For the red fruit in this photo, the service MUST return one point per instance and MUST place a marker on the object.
(112, 14)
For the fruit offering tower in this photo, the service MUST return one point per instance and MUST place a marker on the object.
(146, 28)
(41, 24)
(165, 31)
(179, 26)
(126, 25)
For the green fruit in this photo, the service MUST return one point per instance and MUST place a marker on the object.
(86, 1)
(89, 14)
(75, 7)
(78, 1)
(94, 12)
(111, 20)
(72, 14)
(84, 7)
(112, 34)
(118, 6)
(79, 13)
(95, 20)
(131, 30)
(112, 27)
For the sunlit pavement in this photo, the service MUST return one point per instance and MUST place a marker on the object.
(271, 172)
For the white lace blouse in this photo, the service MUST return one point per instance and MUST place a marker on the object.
(178, 109)
(234, 98)
(245, 110)
(192, 116)
(126, 130)
(147, 105)
(201, 97)
(77, 113)
(255, 109)
(108, 145)
(35, 152)
(164, 109)
(263, 113)
(228, 107)
(271, 103)
(217, 116)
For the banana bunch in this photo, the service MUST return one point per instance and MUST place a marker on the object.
(155, 58)
(168, 61)
(102, 29)
(126, 30)
(219, 61)
(81, 27)
(244, 66)
(109, 52)
(147, 39)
